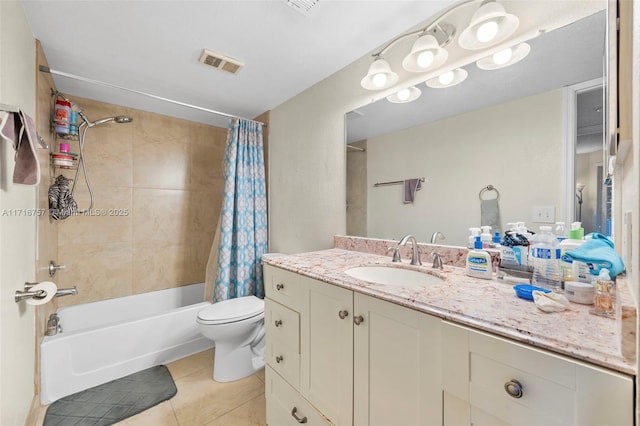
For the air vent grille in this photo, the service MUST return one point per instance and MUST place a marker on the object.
(220, 61)
(302, 6)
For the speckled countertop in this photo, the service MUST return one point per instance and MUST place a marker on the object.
(488, 305)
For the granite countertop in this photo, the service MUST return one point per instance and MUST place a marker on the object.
(487, 305)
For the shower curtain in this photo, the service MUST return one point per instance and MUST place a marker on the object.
(243, 218)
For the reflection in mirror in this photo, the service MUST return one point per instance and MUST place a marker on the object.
(505, 128)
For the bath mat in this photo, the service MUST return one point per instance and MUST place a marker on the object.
(113, 401)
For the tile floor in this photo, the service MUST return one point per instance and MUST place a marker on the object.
(200, 401)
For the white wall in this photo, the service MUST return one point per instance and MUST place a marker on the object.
(461, 155)
(17, 234)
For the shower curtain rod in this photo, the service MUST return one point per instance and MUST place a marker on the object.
(102, 83)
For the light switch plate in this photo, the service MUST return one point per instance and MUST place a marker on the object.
(543, 214)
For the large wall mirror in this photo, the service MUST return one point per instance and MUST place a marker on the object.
(533, 131)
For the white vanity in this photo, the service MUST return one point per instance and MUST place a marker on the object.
(341, 351)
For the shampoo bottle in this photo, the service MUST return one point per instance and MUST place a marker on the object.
(479, 262)
(576, 238)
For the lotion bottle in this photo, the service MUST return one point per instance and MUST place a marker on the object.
(479, 262)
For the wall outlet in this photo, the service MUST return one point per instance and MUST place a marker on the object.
(543, 214)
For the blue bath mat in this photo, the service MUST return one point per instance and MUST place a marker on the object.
(113, 401)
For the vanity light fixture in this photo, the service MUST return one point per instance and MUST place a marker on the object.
(489, 25)
(426, 53)
(448, 79)
(380, 76)
(505, 57)
(405, 95)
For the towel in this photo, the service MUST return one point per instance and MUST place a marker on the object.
(61, 202)
(598, 253)
(410, 188)
(490, 214)
(20, 129)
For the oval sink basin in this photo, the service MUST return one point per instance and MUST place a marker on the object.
(393, 276)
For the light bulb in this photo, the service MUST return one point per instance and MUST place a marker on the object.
(487, 31)
(446, 78)
(403, 94)
(380, 79)
(425, 59)
(503, 56)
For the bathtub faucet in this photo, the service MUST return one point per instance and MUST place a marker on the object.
(66, 291)
(53, 325)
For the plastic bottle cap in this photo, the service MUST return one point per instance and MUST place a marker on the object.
(477, 244)
(496, 237)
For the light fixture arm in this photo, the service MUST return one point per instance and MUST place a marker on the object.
(435, 28)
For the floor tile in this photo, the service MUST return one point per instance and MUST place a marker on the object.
(160, 415)
(200, 399)
(252, 413)
(191, 364)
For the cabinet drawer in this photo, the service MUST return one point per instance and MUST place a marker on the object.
(285, 287)
(282, 323)
(282, 400)
(542, 402)
(284, 359)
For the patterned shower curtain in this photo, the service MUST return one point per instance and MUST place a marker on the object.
(243, 219)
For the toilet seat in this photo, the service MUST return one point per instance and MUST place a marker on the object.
(232, 310)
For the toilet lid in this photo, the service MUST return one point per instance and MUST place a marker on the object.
(232, 310)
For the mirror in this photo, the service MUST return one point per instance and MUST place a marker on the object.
(507, 128)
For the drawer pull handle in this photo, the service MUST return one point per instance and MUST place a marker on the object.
(513, 388)
(295, 416)
(279, 359)
(279, 286)
(278, 323)
(343, 314)
(358, 320)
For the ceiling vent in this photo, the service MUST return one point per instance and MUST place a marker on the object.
(302, 6)
(220, 62)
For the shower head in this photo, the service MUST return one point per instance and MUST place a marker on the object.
(116, 119)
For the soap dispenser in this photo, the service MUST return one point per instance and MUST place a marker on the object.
(479, 262)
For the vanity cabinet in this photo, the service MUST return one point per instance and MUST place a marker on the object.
(488, 380)
(362, 360)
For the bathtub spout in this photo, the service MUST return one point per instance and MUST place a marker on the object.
(66, 291)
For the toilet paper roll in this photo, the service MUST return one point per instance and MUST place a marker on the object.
(49, 287)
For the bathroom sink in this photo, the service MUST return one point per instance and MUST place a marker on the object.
(393, 276)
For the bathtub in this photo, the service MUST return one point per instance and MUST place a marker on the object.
(105, 340)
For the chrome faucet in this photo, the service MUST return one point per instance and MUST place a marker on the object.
(415, 254)
(436, 235)
(437, 260)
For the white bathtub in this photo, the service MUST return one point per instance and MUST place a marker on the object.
(105, 340)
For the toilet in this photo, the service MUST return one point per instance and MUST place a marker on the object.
(237, 328)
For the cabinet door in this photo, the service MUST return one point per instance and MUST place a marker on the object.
(327, 351)
(396, 365)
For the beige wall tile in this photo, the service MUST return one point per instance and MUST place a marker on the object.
(99, 271)
(207, 168)
(161, 215)
(109, 221)
(158, 265)
(167, 173)
(161, 164)
(161, 128)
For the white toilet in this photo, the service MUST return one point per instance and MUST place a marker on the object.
(237, 328)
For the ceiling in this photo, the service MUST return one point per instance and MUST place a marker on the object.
(565, 56)
(154, 46)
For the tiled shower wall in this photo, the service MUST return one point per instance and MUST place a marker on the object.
(157, 184)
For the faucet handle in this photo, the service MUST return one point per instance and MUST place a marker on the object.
(437, 260)
(396, 254)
